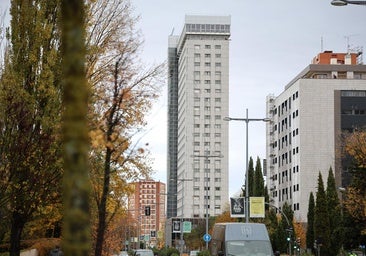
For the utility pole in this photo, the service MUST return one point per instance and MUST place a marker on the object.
(207, 156)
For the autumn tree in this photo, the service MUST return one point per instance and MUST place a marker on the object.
(122, 93)
(355, 197)
(30, 104)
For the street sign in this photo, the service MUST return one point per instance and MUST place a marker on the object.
(187, 227)
(206, 237)
(237, 207)
(176, 226)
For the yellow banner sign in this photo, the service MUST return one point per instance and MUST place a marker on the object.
(256, 207)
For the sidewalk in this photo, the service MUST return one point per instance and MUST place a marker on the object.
(32, 252)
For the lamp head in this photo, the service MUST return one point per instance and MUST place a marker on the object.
(339, 2)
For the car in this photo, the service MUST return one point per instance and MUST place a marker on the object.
(143, 252)
(123, 253)
(194, 253)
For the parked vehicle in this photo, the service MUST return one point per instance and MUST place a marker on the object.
(240, 239)
(143, 252)
(193, 253)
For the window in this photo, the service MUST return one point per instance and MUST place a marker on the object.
(197, 55)
(217, 46)
(218, 55)
(217, 188)
(197, 47)
(207, 81)
(207, 46)
(207, 73)
(217, 81)
(197, 64)
(207, 55)
(217, 99)
(197, 75)
(207, 64)
(218, 64)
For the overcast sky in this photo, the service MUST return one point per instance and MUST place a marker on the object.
(271, 42)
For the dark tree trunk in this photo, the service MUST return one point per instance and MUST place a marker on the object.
(17, 226)
(103, 206)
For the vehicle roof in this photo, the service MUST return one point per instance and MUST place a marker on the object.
(243, 231)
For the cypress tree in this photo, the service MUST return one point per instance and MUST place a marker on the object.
(321, 219)
(335, 216)
(258, 179)
(251, 177)
(310, 230)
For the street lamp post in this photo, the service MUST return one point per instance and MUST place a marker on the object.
(206, 156)
(246, 120)
(345, 2)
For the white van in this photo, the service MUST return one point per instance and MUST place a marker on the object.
(240, 239)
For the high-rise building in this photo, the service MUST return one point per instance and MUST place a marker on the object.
(307, 119)
(146, 207)
(198, 95)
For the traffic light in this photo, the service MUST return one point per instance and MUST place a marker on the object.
(147, 210)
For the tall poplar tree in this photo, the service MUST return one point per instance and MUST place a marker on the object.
(321, 220)
(310, 230)
(30, 114)
(335, 215)
(258, 184)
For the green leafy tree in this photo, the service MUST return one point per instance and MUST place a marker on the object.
(321, 220)
(30, 106)
(335, 215)
(310, 237)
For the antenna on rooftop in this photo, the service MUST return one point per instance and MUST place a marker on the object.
(348, 44)
(172, 31)
(321, 44)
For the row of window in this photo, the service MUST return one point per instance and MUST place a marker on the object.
(206, 100)
(213, 28)
(207, 64)
(207, 46)
(206, 81)
(206, 55)
(207, 135)
(199, 91)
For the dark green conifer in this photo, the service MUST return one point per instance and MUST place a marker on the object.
(321, 219)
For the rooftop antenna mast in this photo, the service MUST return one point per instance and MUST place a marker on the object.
(348, 44)
(321, 44)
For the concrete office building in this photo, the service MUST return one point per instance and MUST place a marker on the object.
(198, 94)
(307, 119)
